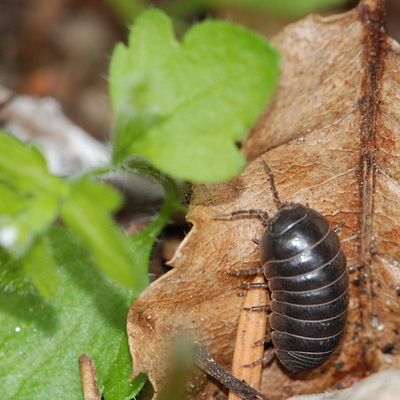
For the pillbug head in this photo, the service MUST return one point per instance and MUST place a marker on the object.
(292, 230)
(289, 215)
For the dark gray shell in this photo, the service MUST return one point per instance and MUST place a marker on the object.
(308, 279)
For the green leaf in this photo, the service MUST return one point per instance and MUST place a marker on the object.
(139, 245)
(10, 202)
(39, 267)
(35, 214)
(184, 105)
(29, 210)
(12, 275)
(41, 342)
(143, 242)
(30, 200)
(21, 165)
(31, 195)
(86, 212)
(117, 386)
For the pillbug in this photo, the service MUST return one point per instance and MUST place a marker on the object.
(306, 273)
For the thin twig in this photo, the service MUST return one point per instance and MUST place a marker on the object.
(89, 378)
(209, 365)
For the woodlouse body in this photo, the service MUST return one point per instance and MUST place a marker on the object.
(308, 279)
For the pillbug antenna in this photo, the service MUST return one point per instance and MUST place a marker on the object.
(278, 201)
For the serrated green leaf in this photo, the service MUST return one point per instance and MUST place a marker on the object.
(40, 343)
(184, 105)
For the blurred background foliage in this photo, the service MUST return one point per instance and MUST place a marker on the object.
(62, 48)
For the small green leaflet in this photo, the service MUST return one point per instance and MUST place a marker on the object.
(184, 105)
(32, 200)
(30, 194)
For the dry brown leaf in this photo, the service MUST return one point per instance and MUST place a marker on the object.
(331, 135)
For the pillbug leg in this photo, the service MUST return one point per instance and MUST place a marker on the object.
(266, 307)
(350, 238)
(263, 219)
(256, 241)
(356, 267)
(266, 359)
(339, 227)
(264, 339)
(261, 285)
(251, 271)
